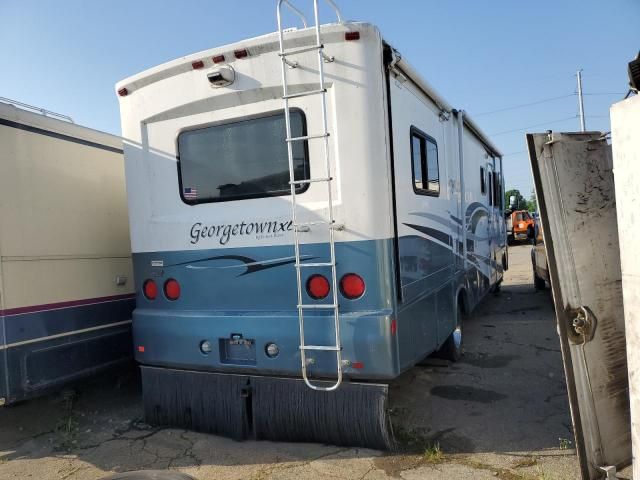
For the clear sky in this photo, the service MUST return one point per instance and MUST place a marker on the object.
(482, 56)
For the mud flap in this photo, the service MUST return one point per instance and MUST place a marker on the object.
(354, 415)
(267, 408)
(201, 401)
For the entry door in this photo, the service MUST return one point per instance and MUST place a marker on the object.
(576, 197)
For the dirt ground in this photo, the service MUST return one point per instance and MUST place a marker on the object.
(500, 413)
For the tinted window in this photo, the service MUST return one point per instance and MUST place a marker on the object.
(416, 153)
(245, 159)
(490, 188)
(424, 157)
(483, 185)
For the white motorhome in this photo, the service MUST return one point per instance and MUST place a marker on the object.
(302, 204)
(66, 279)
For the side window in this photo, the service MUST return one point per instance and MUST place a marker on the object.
(483, 184)
(424, 159)
(490, 188)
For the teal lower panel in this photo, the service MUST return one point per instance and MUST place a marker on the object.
(174, 339)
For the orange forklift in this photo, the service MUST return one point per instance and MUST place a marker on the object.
(520, 225)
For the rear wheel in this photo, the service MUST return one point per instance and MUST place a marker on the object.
(452, 347)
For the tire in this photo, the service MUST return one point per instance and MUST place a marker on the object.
(538, 282)
(451, 349)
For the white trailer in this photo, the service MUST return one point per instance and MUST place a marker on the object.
(66, 279)
(304, 205)
(625, 139)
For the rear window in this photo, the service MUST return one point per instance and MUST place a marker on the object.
(243, 159)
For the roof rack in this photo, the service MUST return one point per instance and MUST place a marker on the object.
(42, 111)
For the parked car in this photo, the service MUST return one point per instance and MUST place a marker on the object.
(539, 257)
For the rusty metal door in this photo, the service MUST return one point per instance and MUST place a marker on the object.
(576, 196)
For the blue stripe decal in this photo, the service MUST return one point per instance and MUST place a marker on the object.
(35, 325)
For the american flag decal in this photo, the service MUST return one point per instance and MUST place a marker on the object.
(190, 193)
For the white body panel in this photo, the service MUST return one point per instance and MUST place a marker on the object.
(155, 114)
(625, 118)
(63, 212)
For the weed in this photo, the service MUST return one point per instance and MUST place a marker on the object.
(565, 443)
(433, 454)
(67, 427)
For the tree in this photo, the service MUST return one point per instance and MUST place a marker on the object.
(520, 202)
(532, 204)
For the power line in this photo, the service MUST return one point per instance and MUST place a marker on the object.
(544, 100)
(605, 93)
(532, 126)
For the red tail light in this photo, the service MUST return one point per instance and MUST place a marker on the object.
(352, 286)
(318, 287)
(172, 289)
(150, 289)
(352, 36)
(218, 59)
(198, 64)
(123, 92)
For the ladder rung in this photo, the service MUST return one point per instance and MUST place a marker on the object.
(309, 224)
(300, 50)
(321, 306)
(326, 348)
(305, 94)
(307, 137)
(311, 180)
(321, 264)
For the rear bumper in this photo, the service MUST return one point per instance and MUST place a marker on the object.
(173, 339)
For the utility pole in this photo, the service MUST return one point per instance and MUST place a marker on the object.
(580, 101)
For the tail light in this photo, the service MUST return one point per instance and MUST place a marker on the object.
(318, 287)
(352, 36)
(150, 289)
(197, 65)
(218, 59)
(172, 289)
(352, 286)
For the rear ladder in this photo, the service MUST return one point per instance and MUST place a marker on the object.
(301, 227)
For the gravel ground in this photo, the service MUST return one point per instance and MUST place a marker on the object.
(501, 412)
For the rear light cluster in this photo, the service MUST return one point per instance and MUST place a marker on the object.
(171, 289)
(352, 286)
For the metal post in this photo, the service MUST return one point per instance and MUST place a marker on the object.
(580, 101)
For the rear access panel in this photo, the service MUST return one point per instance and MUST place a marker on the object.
(575, 190)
